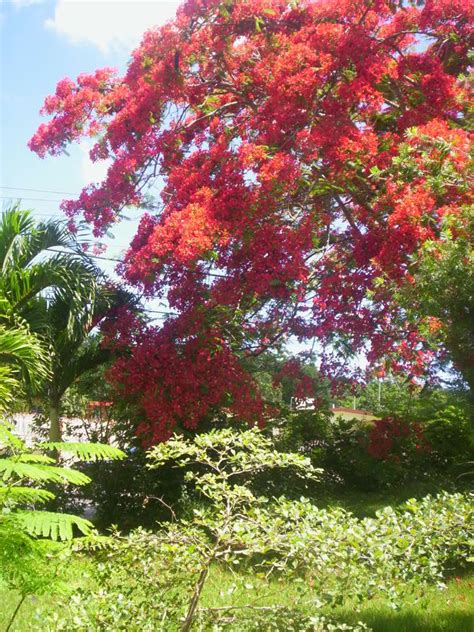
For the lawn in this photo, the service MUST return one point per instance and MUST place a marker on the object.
(449, 609)
(439, 610)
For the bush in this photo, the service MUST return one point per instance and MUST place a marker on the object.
(392, 451)
(128, 494)
(389, 554)
(155, 581)
(450, 433)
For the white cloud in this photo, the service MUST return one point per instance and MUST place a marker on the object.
(110, 25)
(26, 3)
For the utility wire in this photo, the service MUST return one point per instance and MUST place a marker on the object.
(38, 190)
(62, 252)
(198, 272)
(30, 199)
(98, 257)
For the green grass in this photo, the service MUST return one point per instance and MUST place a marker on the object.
(447, 610)
(438, 609)
(366, 504)
(30, 616)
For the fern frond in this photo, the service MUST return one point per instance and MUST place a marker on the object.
(30, 457)
(52, 525)
(86, 451)
(39, 472)
(25, 495)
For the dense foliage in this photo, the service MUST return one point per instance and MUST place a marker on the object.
(312, 153)
(432, 444)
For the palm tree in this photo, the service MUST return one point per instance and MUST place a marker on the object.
(36, 257)
(47, 281)
(23, 360)
(74, 347)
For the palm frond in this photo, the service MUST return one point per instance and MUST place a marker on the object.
(13, 224)
(22, 239)
(22, 358)
(89, 356)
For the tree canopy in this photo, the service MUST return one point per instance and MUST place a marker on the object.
(311, 153)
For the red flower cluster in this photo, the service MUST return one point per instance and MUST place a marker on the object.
(176, 379)
(307, 152)
(305, 386)
(391, 436)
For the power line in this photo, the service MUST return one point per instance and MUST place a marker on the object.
(38, 190)
(198, 272)
(61, 252)
(30, 199)
(50, 215)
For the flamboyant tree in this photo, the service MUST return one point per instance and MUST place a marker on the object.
(308, 150)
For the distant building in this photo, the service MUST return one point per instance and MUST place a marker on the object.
(353, 413)
(336, 411)
(96, 425)
(23, 427)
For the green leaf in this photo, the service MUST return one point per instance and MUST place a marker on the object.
(52, 525)
(25, 495)
(39, 472)
(86, 451)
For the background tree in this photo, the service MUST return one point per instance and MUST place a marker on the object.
(442, 297)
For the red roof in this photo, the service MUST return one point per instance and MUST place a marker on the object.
(98, 404)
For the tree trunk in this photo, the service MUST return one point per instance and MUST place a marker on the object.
(54, 421)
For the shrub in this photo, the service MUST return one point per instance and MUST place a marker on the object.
(155, 581)
(389, 554)
(127, 493)
(388, 452)
(450, 433)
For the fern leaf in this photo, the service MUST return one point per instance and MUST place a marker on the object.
(52, 525)
(25, 495)
(27, 457)
(41, 472)
(87, 451)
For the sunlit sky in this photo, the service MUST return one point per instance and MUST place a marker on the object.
(42, 42)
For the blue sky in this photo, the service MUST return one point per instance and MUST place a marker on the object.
(42, 42)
